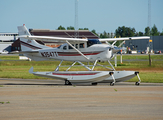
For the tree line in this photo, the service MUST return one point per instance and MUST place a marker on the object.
(122, 32)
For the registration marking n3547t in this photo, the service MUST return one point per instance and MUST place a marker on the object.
(49, 54)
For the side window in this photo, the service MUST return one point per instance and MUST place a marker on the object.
(76, 45)
(65, 47)
(81, 45)
(71, 47)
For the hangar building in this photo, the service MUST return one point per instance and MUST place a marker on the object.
(143, 44)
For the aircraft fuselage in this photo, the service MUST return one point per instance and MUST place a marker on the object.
(64, 52)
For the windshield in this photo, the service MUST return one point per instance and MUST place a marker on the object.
(92, 42)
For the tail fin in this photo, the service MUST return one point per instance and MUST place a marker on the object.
(26, 44)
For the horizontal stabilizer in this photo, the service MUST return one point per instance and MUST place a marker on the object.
(23, 52)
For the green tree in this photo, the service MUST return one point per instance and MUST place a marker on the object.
(94, 31)
(70, 28)
(136, 34)
(140, 33)
(61, 28)
(147, 31)
(154, 31)
(86, 29)
(161, 34)
(104, 35)
(83, 29)
(125, 32)
(101, 35)
(130, 32)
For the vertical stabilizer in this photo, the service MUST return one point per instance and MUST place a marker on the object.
(26, 44)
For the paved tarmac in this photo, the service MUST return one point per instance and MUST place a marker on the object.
(49, 99)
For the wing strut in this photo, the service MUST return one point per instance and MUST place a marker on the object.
(77, 50)
(57, 69)
(71, 66)
(114, 43)
(121, 43)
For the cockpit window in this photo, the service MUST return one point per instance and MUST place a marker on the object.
(92, 42)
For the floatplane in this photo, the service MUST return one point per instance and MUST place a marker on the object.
(76, 50)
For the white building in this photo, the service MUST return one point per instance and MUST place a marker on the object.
(6, 39)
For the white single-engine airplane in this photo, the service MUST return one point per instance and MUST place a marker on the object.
(75, 50)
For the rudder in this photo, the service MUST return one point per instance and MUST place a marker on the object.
(26, 44)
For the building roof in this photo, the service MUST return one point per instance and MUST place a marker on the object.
(64, 33)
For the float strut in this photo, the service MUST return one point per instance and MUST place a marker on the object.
(71, 66)
(112, 83)
(111, 65)
(94, 64)
(57, 69)
(137, 83)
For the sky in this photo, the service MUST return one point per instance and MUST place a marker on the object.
(101, 15)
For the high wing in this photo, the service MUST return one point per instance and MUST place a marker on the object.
(62, 39)
(53, 39)
(125, 38)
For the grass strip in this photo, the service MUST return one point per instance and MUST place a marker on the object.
(19, 69)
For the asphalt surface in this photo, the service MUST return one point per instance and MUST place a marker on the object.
(49, 99)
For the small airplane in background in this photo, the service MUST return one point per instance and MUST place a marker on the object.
(78, 51)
